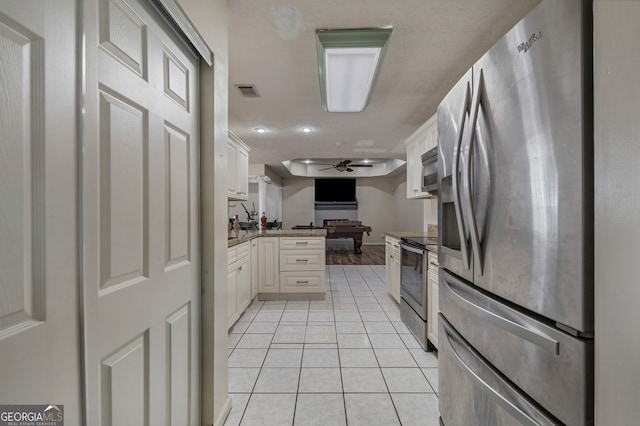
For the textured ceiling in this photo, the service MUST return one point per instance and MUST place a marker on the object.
(272, 45)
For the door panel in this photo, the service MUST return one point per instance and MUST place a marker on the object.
(454, 246)
(140, 210)
(124, 256)
(39, 306)
(533, 231)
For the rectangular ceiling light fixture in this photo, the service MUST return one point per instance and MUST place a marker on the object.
(348, 65)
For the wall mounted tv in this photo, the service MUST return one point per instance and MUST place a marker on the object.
(335, 189)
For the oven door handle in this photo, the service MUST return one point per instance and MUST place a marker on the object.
(411, 249)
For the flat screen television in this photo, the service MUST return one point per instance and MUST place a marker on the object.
(335, 189)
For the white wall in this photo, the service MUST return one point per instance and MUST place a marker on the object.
(430, 212)
(382, 204)
(297, 202)
(617, 212)
(274, 201)
(409, 214)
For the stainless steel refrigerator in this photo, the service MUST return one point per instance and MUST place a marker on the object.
(515, 172)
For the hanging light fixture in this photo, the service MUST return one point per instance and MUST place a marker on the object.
(348, 65)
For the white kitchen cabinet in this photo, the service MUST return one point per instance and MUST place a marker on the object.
(237, 168)
(243, 280)
(302, 265)
(238, 282)
(421, 141)
(232, 307)
(432, 299)
(253, 258)
(268, 265)
(392, 266)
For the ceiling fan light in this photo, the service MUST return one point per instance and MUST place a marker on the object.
(349, 62)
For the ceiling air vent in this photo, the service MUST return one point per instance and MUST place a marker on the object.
(248, 90)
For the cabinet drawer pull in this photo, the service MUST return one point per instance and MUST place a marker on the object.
(302, 243)
(302, 260)
(302, 282)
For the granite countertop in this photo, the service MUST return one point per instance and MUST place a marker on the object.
(429, 247)
(244, 236)
(408, 234)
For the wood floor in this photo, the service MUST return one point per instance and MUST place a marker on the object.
(343, 255)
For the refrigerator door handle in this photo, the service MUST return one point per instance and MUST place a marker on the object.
(464, 243)
(468, 172)
(504, 401)
(522, 331)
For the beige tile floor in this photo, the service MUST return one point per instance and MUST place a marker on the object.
(348, 360)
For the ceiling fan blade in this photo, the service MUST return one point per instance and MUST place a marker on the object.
(349, 169)
(326, 168)
(345, 162)
(361, 165)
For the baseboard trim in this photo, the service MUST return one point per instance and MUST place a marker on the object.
(224, 413)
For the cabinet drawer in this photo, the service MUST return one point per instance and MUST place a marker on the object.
(301, 243)
(236, 252)
(433, 261)
(302, 282)
(392, 246)
(302, 260)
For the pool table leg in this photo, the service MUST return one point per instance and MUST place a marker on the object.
(357, 245)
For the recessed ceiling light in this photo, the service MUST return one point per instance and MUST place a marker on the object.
(366, 161)
(308, 161)
(260, 130)
(307, 129)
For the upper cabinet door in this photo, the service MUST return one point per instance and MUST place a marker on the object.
(421, 141)
(237, 168)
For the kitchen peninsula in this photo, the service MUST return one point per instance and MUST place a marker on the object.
(274, 265)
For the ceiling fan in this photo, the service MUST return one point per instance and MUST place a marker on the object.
(344, 165)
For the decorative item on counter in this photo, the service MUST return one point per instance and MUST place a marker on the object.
(236, 225)
(263, 222)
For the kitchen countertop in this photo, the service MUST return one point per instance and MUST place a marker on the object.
(244, 236)
(429, 247)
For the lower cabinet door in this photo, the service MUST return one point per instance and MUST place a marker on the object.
(232, 307)
(243, 283)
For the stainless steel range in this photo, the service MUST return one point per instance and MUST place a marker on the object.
(413, 287)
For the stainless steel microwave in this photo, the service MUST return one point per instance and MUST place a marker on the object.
(430, 171)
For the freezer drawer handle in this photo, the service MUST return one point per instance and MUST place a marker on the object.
(519, 330)
(501, 400)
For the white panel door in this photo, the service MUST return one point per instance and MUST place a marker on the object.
(140, 217)
(39, 305)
